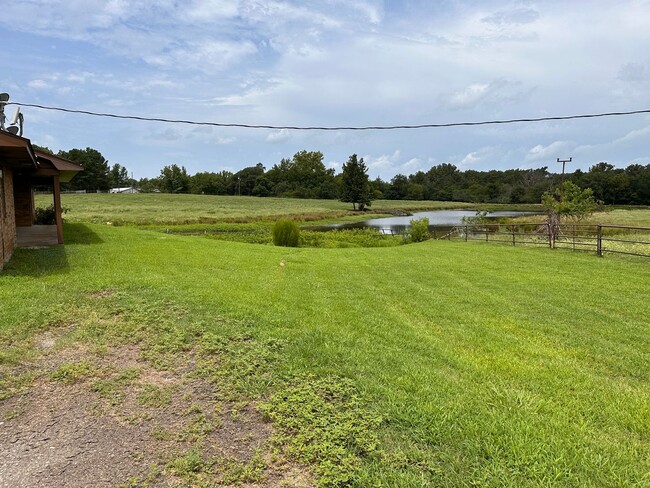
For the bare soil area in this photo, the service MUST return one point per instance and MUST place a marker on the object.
(107, 418)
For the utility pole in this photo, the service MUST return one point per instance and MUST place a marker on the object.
(563, 161)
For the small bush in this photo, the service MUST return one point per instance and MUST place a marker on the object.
(286, 233)
(46, 215)
(419, 230)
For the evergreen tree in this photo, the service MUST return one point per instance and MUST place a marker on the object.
(355, 185)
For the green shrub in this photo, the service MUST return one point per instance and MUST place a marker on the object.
(286, 233)
(47, 215)
(419, 230)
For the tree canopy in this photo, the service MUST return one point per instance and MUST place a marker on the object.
(174, 179)
(567, 202)
(95, 175)
(304, 175)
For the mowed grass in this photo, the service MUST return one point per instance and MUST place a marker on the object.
(489, 365)
(163, 208)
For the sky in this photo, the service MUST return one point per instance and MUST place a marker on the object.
(333, 63)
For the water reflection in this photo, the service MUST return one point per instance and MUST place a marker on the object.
(437, 219)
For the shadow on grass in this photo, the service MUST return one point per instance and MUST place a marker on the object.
(49, 260)
(76, 233)
(37, 262)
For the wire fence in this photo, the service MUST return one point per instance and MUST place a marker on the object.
(600, 239)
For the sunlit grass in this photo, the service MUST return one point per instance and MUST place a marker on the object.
(489, 365)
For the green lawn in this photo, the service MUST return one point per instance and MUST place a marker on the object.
(474, 364)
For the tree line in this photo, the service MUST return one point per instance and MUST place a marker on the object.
(305, 176)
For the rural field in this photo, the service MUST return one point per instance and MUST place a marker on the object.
(163, 208)
(163, 359)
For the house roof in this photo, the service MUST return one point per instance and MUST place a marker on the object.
(67, 169)
(16, 151)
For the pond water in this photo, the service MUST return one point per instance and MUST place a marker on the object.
(437, 219)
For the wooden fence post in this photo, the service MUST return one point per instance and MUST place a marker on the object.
(574, 237)
(599, 241)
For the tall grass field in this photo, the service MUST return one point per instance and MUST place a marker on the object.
(431, 364)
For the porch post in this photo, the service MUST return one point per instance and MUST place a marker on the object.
(57, 210)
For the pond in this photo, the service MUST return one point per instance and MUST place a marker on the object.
(437, 219)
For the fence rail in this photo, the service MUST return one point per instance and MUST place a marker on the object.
(601, 239)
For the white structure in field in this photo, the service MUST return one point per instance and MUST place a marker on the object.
(129, 189)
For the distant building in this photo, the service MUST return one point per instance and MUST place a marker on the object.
(129, 189)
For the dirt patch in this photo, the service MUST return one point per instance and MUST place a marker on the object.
(101, 293)
(111, 419)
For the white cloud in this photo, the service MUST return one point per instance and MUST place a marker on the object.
(335, 165)
(204, 55)
(514, 16)
(342, 62)
(385, 161)
(486, 154)
(38, 84)
(551, 152)
(642, 134)
(412, 165)
(207, 11)
(497, 92)
(281, 135)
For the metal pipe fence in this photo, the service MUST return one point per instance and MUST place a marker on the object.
(601, 239)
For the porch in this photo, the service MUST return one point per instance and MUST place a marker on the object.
(37, 236)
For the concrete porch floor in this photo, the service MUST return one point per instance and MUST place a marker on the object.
(36, 236)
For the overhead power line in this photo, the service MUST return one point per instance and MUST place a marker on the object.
(335, 128)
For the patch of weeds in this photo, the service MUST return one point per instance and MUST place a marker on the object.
(194, 408)
(161, 434)
(12, 414)
(191, 467)
(198, 427)
(162, 352)
(236, 410)
(234, 471)
(100, 350)
(342, 238)
(136, 455)
(154, 396)
(72, 372)
(113, 388)
(154, 473)
(137, 418)
(240, 366)
(324, 422)
(11, 385)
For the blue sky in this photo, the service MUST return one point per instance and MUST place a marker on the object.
(337, 62)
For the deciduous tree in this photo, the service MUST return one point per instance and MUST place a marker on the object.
(95, 175)
(567, 202)
(174, 179)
